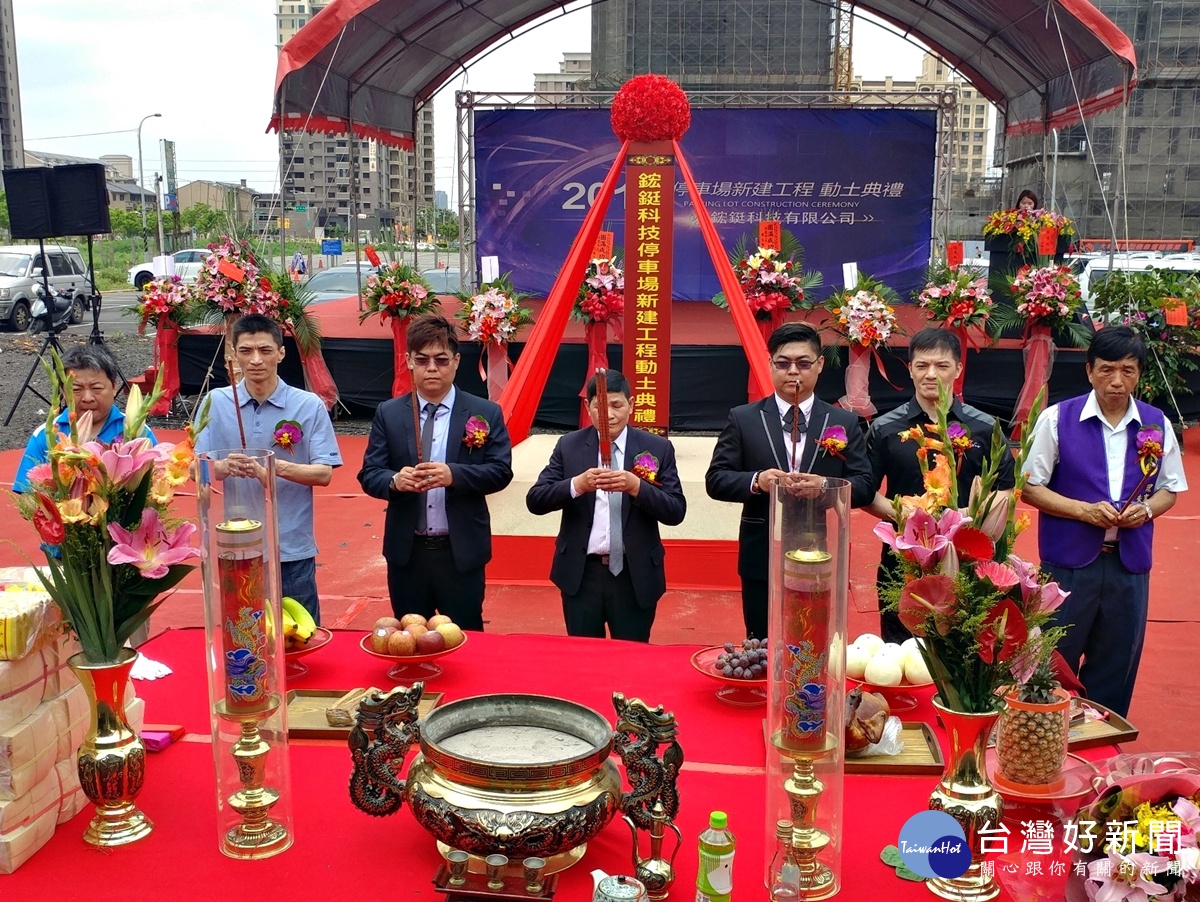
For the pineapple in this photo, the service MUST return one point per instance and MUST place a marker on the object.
(1031, 745)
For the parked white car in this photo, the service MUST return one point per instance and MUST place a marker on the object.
(187, 267)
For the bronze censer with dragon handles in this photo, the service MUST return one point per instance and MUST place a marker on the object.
(519, 775)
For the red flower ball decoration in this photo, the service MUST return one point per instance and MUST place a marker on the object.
(650, 108)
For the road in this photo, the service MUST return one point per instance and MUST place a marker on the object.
(113, 321)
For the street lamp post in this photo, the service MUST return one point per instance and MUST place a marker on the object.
(142, 186)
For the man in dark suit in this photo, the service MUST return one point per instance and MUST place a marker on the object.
(754, 452)
(608, 559)
(437, 536)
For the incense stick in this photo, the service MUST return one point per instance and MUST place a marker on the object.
(602, 417)
(237, 404)
(795, 424)
(416, 409)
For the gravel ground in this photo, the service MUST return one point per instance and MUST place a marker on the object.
(18, 351)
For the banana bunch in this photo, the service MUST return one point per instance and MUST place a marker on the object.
(298, 624)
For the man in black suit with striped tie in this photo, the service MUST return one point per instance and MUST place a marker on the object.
(754, 452)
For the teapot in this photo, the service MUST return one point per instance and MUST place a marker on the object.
(617, 889)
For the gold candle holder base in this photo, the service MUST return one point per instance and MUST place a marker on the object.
(257, 836)
(804, 789)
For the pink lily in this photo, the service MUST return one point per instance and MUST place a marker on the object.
(152, 548)
(1120, 877)
(1025, 662)
(933, 594)
(1189, 814)
(1049, 598)
(922, 541)
(123, 464)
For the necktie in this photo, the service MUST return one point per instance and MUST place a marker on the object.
(616, 541)
(426, 453)
(787, 421)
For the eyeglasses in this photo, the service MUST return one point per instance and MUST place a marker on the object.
(803, 364)
(441, 361)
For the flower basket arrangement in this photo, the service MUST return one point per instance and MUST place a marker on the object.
(1163, 307)
(1025, 228)
(865, 318)
(163, 302)
(398, 293)
(1137, 840)
(493, 317)
(599, 305)
(1045, 300)
(772, 280)
(957, 298)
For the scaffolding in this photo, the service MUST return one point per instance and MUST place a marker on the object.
(1148, 183)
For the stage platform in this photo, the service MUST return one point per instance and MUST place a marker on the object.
(709, 371)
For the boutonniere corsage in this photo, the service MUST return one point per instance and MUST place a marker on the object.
(477, 432)
(1149, 448)
(960, 441)
(287, 434)
(833, 441)
(645, 466)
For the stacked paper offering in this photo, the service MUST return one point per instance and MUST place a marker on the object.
(44, 715)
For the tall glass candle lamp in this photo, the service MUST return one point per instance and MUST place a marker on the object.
(809, 554)
(245, 651)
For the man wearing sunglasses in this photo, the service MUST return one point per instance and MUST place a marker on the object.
(755, 452)
(437, 537)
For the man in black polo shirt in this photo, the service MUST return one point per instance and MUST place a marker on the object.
(935, 359)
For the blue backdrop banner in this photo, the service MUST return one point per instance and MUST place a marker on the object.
(851, 185)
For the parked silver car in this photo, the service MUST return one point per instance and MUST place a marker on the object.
(21, 268)
(443, 281)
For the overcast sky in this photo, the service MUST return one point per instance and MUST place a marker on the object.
(90, 71)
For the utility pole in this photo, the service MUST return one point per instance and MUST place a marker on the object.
(158, 211)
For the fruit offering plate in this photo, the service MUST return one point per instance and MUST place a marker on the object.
(409, 668)
(742, 693)
(320, 638)
(899, 697)
(1076, 776)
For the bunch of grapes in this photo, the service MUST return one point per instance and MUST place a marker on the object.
(746, 663)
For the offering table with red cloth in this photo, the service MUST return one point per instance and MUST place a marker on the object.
(339, 851)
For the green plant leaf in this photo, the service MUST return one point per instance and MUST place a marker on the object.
(891, 856)
(905, 874)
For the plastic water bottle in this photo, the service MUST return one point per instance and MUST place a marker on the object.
(714, 878)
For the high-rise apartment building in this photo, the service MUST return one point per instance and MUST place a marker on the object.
(1162, 143)
(12, 138)
(715, 45)
(315, 170)
(573, 68)
(972, 118)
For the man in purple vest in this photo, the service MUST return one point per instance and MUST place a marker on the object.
(1098, 505)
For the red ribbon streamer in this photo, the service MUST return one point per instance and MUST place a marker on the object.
(1039, 361)
(523, 392)
(166, 358)
(317, 377)
(498, 366)
(596, 336)
(743, 319)
(402, 380)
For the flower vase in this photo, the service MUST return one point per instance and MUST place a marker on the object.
(497, 369)
(112, 759)
(596, 336)
(1038, 354)
(402, 380)
(166, 358)
(966, 794)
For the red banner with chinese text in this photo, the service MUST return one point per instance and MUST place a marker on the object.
(649, 230)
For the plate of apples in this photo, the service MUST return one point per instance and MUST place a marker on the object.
(413, 643)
